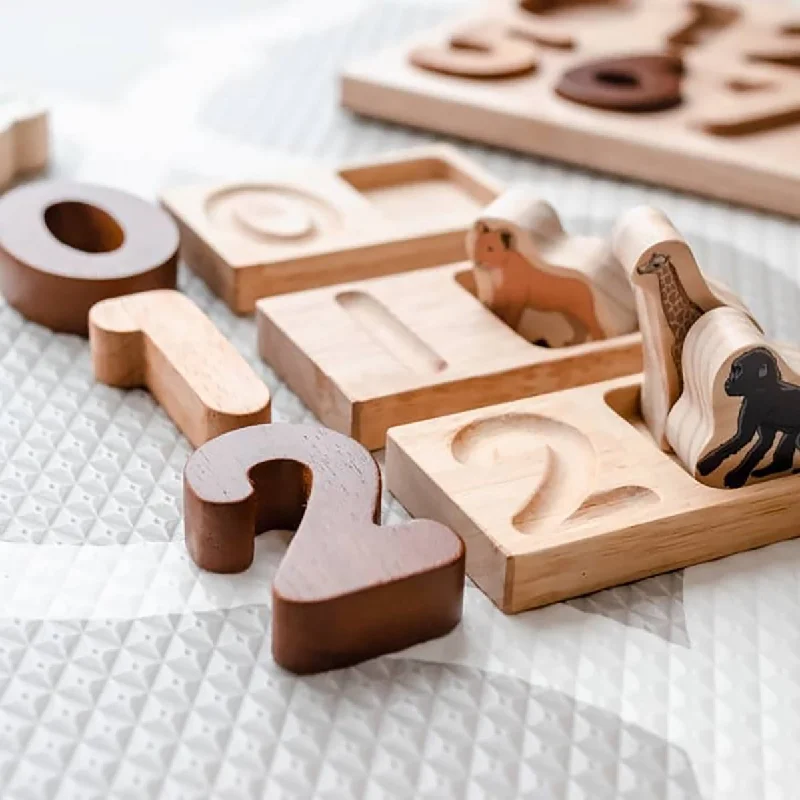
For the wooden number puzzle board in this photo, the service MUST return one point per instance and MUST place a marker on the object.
(734, 137)
(369, 355)
(564, 494)
(314, 226)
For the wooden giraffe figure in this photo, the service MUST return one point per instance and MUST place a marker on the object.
(680, 311)
(671, 296)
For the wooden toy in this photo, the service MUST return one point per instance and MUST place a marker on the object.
(567, 493)
(525, 262)
(699, 96)
(369, 355)
(24, 138)
(65, 246)
(315, 227)
(671, 295)
(741, 394)
(161, 340)
(347, 588)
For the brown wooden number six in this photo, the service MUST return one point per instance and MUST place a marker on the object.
(347, 588)
(65, 246)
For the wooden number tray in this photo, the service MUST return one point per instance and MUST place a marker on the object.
(734, 134)
(315, 226)
(369, 355)
(567, 493)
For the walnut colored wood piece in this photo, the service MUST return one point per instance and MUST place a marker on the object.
(741, 397)
(347, 589)
(635, 84)
(524, 261)
(567, 493)
(733, 136)
(368, 355)
(65, 246)
(311, 227)
(24, 137)
(671, 295)
(161, 340)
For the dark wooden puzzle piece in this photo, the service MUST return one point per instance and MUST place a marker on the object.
(347, 588)
(65, 246)
(631, 84)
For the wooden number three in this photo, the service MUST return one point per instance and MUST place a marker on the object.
(347, 588)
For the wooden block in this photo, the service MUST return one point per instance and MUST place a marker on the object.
(671, 296)
(313, 227)
(161, 340)
(726, 127)
(24, 137)
(66, 246)
(347, 588)
(524, 261)
(739, 390)
(567, 493)
(365, 356)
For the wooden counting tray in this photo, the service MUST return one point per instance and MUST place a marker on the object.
(734, 136)
(369, 355)
(567, 493)
(314, 227)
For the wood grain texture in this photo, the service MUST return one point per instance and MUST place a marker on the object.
(525, 261)
(567, 493)
(303, 228)
(733, 136)
(24, 137)
(65, 246)
(671, 295)
(162, 341)
(738, 418)
(347, 588)
(369, 355)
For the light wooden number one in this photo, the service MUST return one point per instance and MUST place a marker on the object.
(161, 340)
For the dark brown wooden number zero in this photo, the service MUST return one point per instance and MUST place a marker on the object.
(634, 84)
(347, 588)
(65, 246)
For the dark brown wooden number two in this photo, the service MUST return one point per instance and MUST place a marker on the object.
(347, 588)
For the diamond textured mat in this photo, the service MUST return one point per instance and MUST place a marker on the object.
(124, 673)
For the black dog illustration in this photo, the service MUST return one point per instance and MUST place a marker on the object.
(770, 406)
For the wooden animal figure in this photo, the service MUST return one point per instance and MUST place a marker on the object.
(524, 261)
(671, 296)
(24, 137)
(347, 588)
(161, 340)
(741, 395)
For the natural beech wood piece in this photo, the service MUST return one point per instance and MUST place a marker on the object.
(525, 262)
(365, 356)
(24, 137)
(347, 589)
(671, 295)
(741, 397)
(161, 340)
(727, 127)
(65, 246)
(302, 228)
(567, 493)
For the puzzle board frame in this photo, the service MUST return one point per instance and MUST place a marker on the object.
(369, 355)
(594, 503)
(671, 148)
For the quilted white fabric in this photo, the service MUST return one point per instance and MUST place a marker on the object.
(124, 673)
